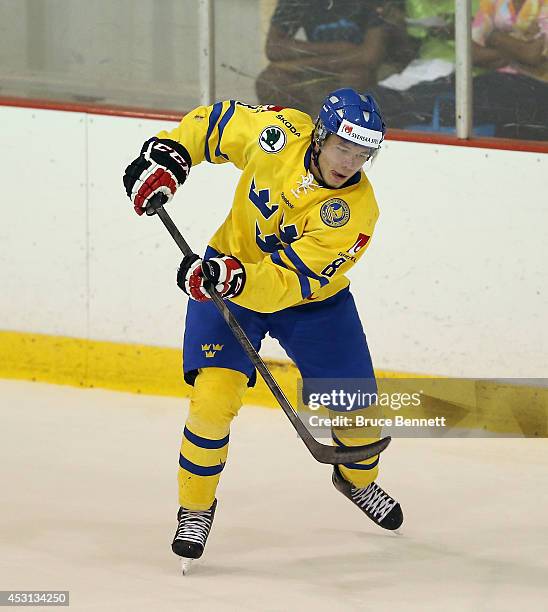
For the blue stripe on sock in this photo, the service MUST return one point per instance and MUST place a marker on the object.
(200, 470)
(337, 441)
(355, 466)
(361, 466)
(204, 442)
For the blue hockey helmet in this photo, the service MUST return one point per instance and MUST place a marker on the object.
(353, 116)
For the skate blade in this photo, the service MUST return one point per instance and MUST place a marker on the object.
(186, 564)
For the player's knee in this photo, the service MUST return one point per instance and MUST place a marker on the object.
(216, 398)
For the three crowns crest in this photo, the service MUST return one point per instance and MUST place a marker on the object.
(211, 349)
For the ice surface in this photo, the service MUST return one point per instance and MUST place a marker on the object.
(89, 502)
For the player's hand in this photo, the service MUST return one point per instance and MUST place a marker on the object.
(226, 273)
(162, 167)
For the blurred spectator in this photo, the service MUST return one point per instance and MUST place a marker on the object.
(510, 76)
(316, 46)
(510, 37)
(408, 98)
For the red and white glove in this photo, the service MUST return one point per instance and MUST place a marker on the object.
(162, 167)
(226, 273)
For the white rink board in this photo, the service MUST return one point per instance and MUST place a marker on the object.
(43, 227)
(458, 263)
(453, 282)
(133, 260)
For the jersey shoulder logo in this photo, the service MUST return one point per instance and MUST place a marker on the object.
(335, 212)
(272, 139)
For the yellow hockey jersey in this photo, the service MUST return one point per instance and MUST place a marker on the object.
(295, 238)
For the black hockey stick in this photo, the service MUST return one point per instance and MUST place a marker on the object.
(321, 452)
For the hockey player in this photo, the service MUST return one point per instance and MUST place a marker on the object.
(303, 214)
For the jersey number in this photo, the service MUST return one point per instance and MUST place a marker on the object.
(330, 269)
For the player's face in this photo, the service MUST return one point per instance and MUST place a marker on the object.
(341, 159)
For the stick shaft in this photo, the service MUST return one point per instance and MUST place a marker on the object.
(321, 452)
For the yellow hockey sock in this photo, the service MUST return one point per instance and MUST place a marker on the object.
(217, 396)
(361, 473)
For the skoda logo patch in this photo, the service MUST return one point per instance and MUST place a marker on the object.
(335, 212)
(272, 139)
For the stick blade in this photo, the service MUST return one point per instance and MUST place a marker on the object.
(335, 455)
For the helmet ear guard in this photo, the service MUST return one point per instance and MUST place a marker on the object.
(320, 133)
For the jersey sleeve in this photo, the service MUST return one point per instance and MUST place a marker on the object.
(219, 133)
(292, 274)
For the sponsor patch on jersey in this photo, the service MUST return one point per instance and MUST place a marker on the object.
(347, 256)
(272, 139)
(335, 212)
(288, 125)
(287, 202)
(360, 135)
(359, 244)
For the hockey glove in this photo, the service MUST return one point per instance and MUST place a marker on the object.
(226, 273)
(162, 167)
